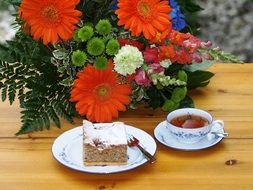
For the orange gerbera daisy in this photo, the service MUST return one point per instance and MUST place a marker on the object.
(50, 20)
(98, 94)
(144, 16)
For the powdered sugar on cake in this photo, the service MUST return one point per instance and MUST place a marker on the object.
(103, 135)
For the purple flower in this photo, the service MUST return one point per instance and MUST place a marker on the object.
(178, 19)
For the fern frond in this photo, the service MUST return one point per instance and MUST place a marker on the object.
(27, 73)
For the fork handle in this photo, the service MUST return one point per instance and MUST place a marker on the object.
(150, 157)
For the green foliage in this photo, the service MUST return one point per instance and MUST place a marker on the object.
(101, 63)
(27, 74)
(95, 46)
(103, 27)
(190, 8)
(96, 9)
(78, 58)
(223, 56)
(14, 2)
(85, 33)
(155, 97)
(198, 79)
(181, 75)
(170, 105)
(178, 94)
(196, 66)
(112, 47)
(187, 102)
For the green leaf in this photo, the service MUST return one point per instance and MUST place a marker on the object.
(199, 66)
(198, 79)
(26, 64)
(14, 2)
(12, 91)
(181, 75)
(67, 82)
(4, 92)
(170, 105)
(192, 7)
(60, 54)
(52, 114)
(223, 56)
(155, 98)
(187, 102)
(178, 94)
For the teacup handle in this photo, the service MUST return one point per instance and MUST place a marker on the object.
(218, 122)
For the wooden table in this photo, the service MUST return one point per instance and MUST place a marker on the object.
(27, 162)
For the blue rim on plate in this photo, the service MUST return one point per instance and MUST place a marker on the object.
(67, 149)
(163, 136)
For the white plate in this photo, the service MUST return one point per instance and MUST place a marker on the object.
(67, 149)
(163, 135)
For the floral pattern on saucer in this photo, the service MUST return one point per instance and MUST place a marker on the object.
(163, 135)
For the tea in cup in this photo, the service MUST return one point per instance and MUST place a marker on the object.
(190, 125)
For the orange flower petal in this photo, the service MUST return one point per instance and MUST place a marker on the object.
(98, 95)
(138, 16)
(56, 17)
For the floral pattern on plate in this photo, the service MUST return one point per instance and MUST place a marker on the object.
(67, 149)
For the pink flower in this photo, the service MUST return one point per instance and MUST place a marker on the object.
(151, 55)
(192, 44)
(207, 56)
(141, 78)
(207, 44)
(155, 68)
(197, 58)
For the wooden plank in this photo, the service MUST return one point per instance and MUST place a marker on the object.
(232, 68)
(231, 102)
(28, 164)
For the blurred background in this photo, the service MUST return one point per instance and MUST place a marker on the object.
(228, 23)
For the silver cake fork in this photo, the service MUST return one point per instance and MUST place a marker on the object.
(133, 141)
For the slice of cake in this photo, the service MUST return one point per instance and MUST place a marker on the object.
(104, 143)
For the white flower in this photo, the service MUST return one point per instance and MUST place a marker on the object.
(127, 60)
(165, 63)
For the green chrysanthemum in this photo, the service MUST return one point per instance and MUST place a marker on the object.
(112, 47)
(101, 62)
(89, 24)
(85, 33)
(75, 36)
(78, 58)
(106, 39)
(104, 27)
(95, 46)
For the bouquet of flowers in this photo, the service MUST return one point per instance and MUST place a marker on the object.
(94, 58)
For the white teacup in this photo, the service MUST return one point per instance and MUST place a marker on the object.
(191, 135)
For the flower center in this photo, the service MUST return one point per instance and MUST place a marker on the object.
(50, 13)
(158, 37)
(143, 9)
(102, 91)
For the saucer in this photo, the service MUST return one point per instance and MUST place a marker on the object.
(163, 135)
(67, 149)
